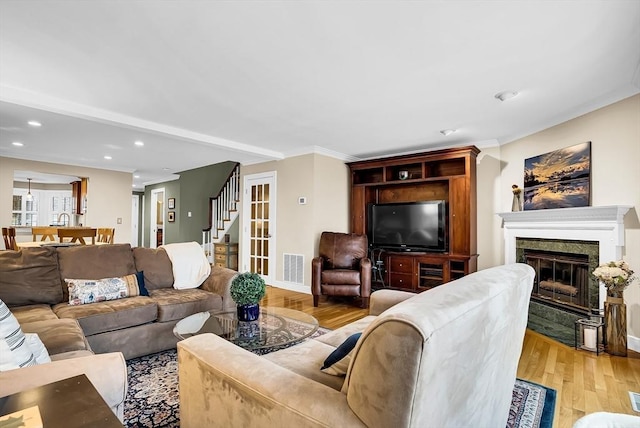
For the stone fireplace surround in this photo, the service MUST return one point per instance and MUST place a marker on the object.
(604, 225)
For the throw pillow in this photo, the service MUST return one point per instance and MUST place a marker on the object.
(16, 343)
(83, 291)
(338, 361)
(37, 347)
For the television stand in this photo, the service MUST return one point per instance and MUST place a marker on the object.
(448, 175)
(412, 271)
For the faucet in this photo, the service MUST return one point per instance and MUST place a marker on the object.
(68, 219)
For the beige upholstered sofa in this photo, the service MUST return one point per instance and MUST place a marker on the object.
(443, 358)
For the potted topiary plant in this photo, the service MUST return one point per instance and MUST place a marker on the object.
(247, 289)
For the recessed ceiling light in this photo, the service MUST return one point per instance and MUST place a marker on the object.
(34, 123)
(447, 132)
(505, 95)
(107, 157)
(139, 143)
(136, 176)
(17, 144)
(133, 185)
(165, 169)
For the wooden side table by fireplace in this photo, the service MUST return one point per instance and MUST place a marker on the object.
(67, 403)
(226, 255)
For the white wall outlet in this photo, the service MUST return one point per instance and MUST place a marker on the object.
(302, 200)
(119, 220)
(189, 214)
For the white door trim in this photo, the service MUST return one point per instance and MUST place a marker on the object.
(135, 214)
(153, 218)
(249, 180)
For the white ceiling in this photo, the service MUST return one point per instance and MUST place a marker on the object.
(201, 82)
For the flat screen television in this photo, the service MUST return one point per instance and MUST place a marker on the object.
(415, 226)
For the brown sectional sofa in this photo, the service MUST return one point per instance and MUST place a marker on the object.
(32, 285)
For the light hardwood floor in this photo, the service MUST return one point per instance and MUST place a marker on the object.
(585, 383)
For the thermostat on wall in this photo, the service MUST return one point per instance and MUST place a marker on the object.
(302, 200)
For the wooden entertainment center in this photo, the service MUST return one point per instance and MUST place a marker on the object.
(448, 175)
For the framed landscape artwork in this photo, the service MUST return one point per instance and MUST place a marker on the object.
(558, 179)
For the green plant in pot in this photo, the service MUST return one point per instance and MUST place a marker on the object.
(247, 289)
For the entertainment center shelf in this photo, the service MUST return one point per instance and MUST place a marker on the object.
(443, 175)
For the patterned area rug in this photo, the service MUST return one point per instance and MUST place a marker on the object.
(152, 399)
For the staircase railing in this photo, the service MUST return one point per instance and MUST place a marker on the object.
(221, 208)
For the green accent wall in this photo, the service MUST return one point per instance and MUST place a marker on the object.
(191, 192)
(196, 187)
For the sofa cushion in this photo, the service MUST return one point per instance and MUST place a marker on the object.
(305, 359)
(85, 291)
(341, 276)
(157, 267)
(111, 315)
(58, 336)
(95, 262)
(30, 276)
(336, 337)
(177, 304)
(31, 313)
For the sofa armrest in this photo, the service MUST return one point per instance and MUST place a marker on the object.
(219, 282)
(244, 389)
(382, 300)
(107, 373)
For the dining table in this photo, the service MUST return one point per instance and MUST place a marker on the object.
(34, 244)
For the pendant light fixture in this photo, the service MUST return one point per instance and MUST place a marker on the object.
(29, 195)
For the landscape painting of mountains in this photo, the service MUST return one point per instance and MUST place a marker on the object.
(558, 179)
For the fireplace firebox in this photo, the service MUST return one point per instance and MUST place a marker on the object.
(561, 279)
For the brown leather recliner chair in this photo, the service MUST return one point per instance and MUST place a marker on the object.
(342, 267)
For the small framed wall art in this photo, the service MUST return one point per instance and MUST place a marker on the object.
(172, 216)
(172, 203)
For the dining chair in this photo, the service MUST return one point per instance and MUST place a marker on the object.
(45, 233)
(9, 236)
(105, 234)
(78, 235)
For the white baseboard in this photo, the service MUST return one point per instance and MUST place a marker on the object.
(300, 288)
(633, 343)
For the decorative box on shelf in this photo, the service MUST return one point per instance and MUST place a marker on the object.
(225, 255)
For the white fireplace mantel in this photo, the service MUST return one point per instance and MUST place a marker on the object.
(604, 225)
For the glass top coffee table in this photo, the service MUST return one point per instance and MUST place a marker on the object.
(275, 327)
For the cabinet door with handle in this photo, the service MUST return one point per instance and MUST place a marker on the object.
(400, 272)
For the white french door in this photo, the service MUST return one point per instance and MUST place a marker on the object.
(259, 225)
(156, 218)
(135, 212)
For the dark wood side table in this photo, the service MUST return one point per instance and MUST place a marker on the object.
(67, 403)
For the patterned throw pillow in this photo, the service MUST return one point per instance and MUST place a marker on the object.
(14, 341)
(83, 291)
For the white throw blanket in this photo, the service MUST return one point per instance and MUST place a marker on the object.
(190, 265)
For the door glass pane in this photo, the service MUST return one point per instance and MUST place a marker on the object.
(259, 229)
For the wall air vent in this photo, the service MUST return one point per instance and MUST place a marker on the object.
(294, 268)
